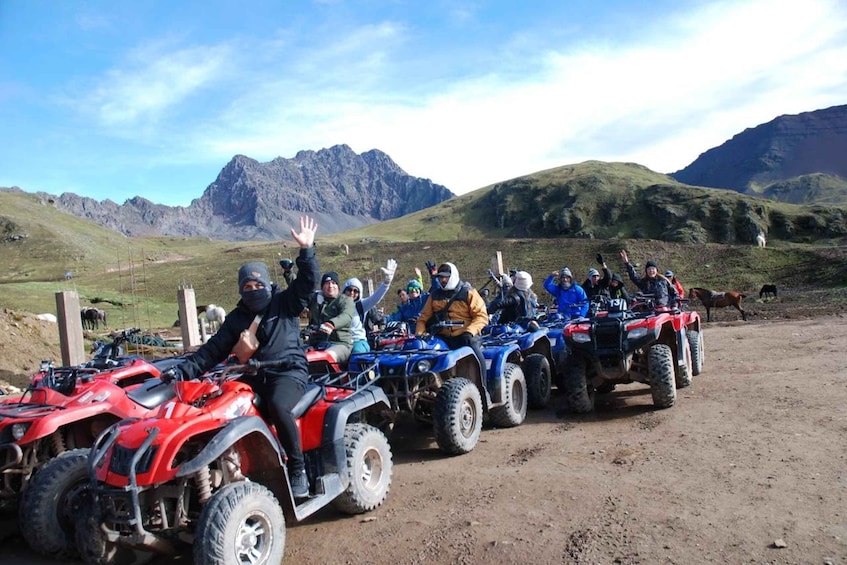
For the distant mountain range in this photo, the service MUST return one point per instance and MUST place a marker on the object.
(261, 201)
(799, 158)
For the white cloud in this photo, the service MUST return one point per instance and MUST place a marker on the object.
(153, 82)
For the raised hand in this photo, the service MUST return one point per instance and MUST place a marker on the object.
(624, 256)
(306, 237)
(388, 270)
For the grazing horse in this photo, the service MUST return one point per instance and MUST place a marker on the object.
(768, 289)
(215, 315)
(91, 318)
(712, 299)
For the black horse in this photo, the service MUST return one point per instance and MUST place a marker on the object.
(768, 290)
(91, 318)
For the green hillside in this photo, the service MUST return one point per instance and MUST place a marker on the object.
(136, 279)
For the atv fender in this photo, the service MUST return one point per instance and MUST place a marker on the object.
(333, 451)
(236, 429)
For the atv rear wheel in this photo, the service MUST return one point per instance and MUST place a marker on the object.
(513, 410)
(536, 369)
(695, 340)
(661, 373)
(457, 416)
(368, 470)
(579, 394)
(48, 512)
(683, 373)
(241, 523)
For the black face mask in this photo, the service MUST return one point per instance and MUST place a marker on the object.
(256, 300)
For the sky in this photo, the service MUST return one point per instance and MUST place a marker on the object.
(115, 99)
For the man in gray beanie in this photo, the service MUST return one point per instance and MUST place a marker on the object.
(594, 285)
(272, 316)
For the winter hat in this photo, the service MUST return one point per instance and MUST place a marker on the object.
(565, 272)
(330, 276)
(669, 274)
(617, 277)
(649, 264)
(257, 271)
(413, 284)
(523, 280)
(355, 283)
(593, 273)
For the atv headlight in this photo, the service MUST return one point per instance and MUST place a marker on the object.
(637, 332)
(581, 337)
(19, 430)
(423, 366)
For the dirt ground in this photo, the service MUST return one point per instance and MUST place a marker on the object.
(750, 466)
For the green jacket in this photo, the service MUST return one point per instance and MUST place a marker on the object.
(339, 312)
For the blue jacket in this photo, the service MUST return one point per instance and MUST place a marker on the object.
(410, 310)
(572, 302)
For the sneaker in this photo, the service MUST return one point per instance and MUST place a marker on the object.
(299, 484)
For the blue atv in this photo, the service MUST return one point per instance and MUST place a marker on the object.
(533, 351)
(448, 388)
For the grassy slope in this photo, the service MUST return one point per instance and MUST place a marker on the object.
(139, 277)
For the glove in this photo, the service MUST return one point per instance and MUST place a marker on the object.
(388, 270)
(599, 259)
(327, 328)
(430, 266)
(286, 263)
(171, 375)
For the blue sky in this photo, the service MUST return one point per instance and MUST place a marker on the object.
(113, 99)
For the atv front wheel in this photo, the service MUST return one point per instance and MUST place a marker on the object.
(661, 372)
(241, 523)
(91, 541)
(48, 512)
(684, 372)
(695, 340)
(513, 410)
(457, 416)
(368, 470)
(579, 394)
(536, 369)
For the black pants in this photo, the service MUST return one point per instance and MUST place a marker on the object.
(472, 341)
(279, 393)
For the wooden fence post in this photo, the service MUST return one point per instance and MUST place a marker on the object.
(188, 318)
(71, 340)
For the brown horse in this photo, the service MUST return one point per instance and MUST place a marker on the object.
(712, 299)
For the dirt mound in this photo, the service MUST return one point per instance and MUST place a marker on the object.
(24, 342)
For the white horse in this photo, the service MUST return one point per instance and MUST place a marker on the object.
(215, 315)
(760, 240)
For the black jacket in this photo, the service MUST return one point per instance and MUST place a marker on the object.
(279, 330)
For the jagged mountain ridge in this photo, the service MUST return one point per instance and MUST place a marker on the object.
(775, 159)
(250, 200)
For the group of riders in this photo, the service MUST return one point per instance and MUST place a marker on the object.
(270, 315)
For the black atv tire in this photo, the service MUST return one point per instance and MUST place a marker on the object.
(513, 410)
(48, 511)
(237, 512)
(457, 416)
(695, 340)
(683, 373)
(660, 369)
(94, 548)
(536, 370)
(558, 378)
(368, 470)
(579, 394)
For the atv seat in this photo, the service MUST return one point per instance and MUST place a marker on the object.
(310, 395)
(152, 393)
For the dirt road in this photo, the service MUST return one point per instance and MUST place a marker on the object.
(753, 456)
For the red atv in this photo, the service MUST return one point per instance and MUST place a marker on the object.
(209, 471)
(64, 409)
(660, 347)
